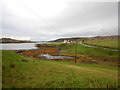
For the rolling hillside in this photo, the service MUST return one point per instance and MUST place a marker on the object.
(105, 41)
(72, 39)
(21, 72)
(9, 40)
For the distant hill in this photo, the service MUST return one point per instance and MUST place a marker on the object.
(107, 37)
(72, 39)
(9, 40)
(86, 38)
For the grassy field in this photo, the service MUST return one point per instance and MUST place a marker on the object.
(21, 72)
(83, 54)
(70, 49)
(110, 43)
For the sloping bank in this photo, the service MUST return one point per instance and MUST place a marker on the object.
(95, 46)
(21, 72)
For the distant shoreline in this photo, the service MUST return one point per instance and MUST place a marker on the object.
(9, 40)
(18, 42)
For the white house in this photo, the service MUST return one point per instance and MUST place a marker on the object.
(67, 41)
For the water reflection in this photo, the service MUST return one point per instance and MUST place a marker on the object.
(17, 46)
(48, 56)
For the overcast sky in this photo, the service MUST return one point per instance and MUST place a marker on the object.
(51, 19)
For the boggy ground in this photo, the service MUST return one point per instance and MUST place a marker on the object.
(42, 50)
(61, 51)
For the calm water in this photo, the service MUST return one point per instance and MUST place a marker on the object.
(48, 56)
(17, 46)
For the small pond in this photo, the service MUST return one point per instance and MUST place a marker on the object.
(48, 56)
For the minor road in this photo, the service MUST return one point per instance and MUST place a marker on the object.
(81, 42)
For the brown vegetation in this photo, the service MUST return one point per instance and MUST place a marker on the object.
(81, 58)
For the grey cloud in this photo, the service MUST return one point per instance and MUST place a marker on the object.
(90, 13)
(79, 19)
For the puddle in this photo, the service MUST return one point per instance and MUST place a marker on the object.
(48, 56)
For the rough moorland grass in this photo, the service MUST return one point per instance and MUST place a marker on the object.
(70, 49)
(52, 74)
(110, 43)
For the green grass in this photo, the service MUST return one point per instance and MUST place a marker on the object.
(70, 49)
(110, 43)
(54, 74)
